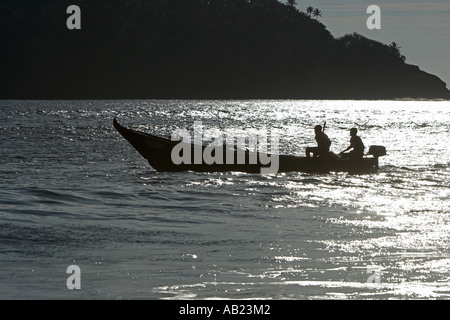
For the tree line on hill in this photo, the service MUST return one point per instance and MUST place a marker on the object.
(194, 49)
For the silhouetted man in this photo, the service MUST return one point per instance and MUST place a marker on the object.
(323, 144)
(356, 144)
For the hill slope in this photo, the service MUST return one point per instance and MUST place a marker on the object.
(194, 49)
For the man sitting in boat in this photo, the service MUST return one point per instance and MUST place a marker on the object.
(323, 144)
(356, 144)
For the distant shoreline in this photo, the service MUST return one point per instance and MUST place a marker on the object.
(219, 99)
(194, 49)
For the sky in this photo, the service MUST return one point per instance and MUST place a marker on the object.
(421, 28)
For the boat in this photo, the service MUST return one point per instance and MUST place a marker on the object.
(158, 152)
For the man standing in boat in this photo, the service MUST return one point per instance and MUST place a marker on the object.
(356, 144)
(323, 144)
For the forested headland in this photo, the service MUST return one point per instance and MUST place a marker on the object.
(194, 49)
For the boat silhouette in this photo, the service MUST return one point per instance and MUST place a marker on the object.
(158, 152)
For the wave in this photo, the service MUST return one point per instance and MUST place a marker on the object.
(417, 168)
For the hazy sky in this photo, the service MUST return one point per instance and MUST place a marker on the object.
(421, 28)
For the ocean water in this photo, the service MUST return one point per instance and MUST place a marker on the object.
(74, 192)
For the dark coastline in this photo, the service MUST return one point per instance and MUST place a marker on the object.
(194, 49)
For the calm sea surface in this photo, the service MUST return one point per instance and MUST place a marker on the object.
(74, 192)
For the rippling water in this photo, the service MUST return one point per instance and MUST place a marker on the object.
(74, 192)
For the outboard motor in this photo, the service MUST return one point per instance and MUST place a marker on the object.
(376, 152)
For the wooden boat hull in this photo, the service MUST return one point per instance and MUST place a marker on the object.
(158, 152)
